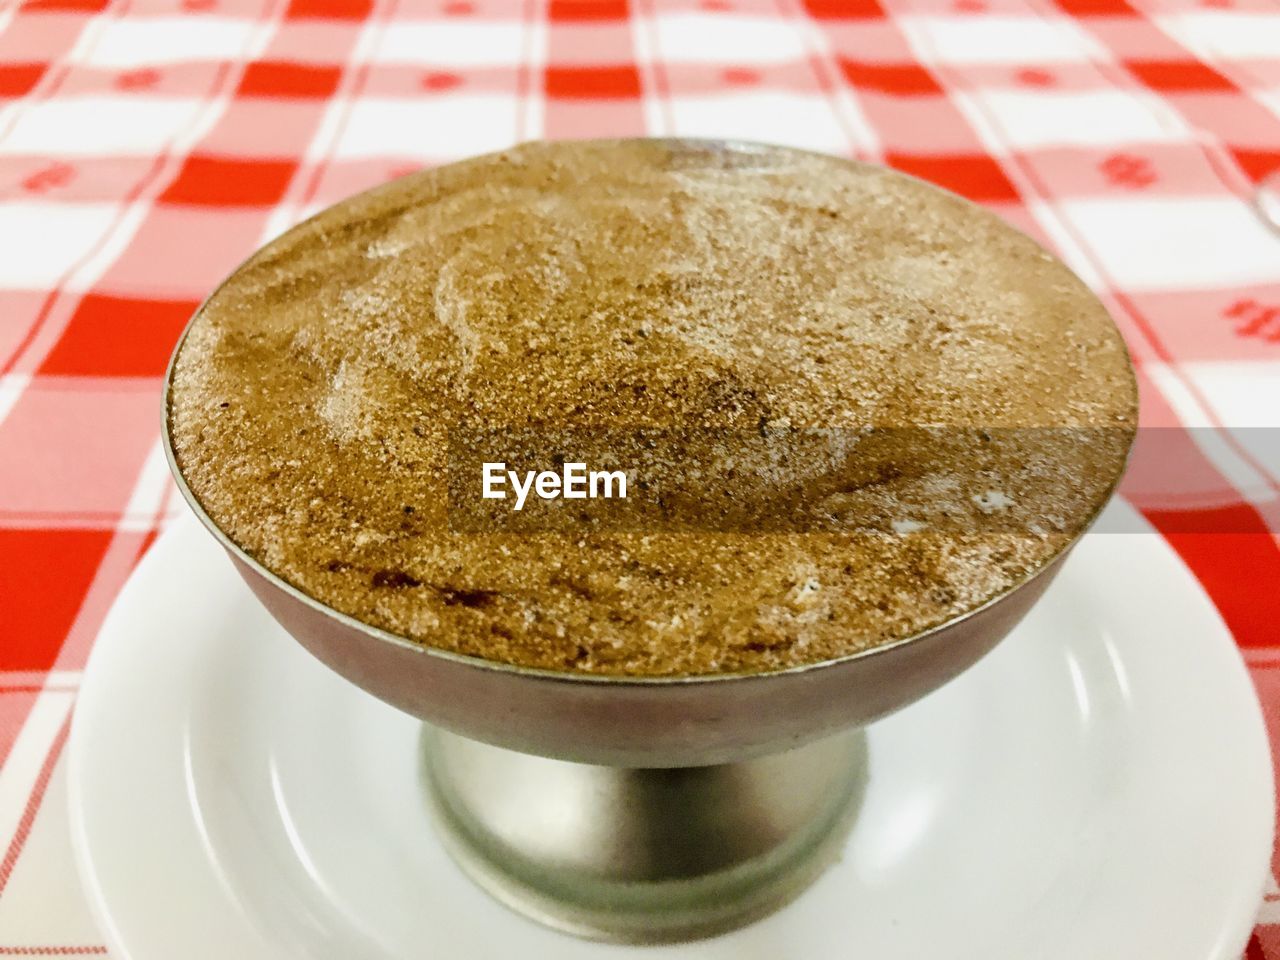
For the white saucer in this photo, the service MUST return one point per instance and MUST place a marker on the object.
(1099, 787)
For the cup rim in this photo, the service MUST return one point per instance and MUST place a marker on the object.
(564, 676)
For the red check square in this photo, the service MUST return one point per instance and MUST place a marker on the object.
(46, 574)
(1097, 8)
(1218, 560)
(586, 83)
(275, 78)
(114, 336)
(224, 182)
(844, 9)
(976, 177)
(895, 78)
(79, 6)
(329, 9)
(17, 79)
(1180, 76)
(1258, 164)
(574, 10)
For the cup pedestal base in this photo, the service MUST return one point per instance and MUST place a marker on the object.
(643, 855)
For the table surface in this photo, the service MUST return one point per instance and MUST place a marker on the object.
(147, 146)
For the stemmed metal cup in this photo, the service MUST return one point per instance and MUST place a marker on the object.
(637, 809)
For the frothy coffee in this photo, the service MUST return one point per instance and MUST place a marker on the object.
(632, 286)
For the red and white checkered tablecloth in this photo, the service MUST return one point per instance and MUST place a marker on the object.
(147, 146)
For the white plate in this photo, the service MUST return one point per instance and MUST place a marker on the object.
(1099, 787)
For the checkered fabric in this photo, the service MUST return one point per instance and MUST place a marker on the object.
(147, 146)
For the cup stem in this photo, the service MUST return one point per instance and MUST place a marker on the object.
(643, 855)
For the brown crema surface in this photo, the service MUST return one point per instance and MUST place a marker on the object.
(749, 291)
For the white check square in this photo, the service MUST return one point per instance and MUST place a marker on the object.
(995, 40)
(791, 119)
(699, 38)
(137, 41)
(27, 755)
(1245, 398)
(1182, 243)
(428, 128)
(1225, 35)
(102, 126)
(447, 44)
(43, 902)
(45, 240)
(1244, 394)
(1097, 118)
